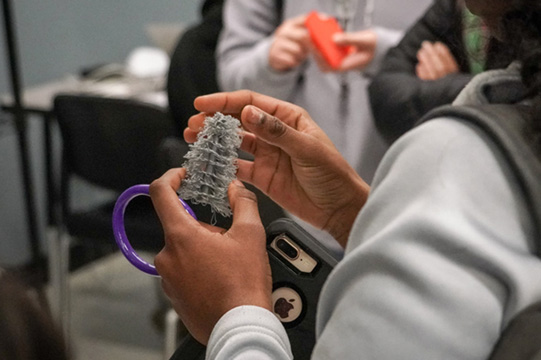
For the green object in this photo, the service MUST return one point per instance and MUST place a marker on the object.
(475, 37)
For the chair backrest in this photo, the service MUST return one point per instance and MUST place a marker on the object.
(109, 142)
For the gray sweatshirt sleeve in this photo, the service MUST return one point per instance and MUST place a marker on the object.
(243, 50)
(438, 261)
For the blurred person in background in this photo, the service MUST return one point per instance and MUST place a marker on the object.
(436, 58)
(266, 47)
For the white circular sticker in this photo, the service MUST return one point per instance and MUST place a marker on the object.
(286, 304)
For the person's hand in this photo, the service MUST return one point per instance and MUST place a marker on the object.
(363, 44)
(290, 46)
(364, 47)
(435, 61)
(207, 271)
(295, 163)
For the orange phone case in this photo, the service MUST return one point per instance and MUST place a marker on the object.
(321, 29)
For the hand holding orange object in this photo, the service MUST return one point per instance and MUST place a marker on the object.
(322, 29)
(362, 45)
(290, 46)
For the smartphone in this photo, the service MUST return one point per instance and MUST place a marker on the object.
(321, 29)
(300, 265)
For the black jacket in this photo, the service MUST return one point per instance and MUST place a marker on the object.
(397, 96)
(192, 71)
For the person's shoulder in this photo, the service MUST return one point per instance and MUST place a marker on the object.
(433, 146)
(437, 135)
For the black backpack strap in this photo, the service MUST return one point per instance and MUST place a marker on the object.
(520, 339)
(507, 127)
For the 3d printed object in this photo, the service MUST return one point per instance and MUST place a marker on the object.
(211, 163)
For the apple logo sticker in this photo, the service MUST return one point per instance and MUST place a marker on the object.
(286, 304)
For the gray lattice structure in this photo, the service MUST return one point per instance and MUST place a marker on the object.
(211, 163)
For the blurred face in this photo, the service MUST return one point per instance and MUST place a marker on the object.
(491, 11)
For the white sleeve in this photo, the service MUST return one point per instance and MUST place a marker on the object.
(242, 54)
(439, 259)
(249, 332)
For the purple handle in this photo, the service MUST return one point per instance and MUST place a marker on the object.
(120, 232)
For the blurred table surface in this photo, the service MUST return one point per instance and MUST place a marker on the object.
(40, 98)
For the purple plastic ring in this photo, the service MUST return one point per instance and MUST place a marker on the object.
(120, 232)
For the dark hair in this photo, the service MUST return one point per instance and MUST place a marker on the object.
(27, 331)
(521, 29)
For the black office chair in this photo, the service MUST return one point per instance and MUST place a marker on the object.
(110, 144)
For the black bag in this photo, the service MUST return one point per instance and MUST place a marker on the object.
(506, 125)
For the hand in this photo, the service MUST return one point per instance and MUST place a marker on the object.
(295, 163)
(290, 46)
(435, 61)
(207, 271)
(364, 47)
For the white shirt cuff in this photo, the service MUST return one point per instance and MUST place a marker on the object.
(249, 332)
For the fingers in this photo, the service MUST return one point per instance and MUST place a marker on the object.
(447, 57)
(294, 29)
(196, 124)
(273, 131)
(212, 228)
(165, 200)
(294, 34)
(249, 140)
(249, 143)
(299, 20)
(244, 205)
(290, 46)
(428, 57)
(421, 72)
(365, 39)
(435, 61)
(190, 136)
(245, 171)
(357, 61)
(362, 45)
(285, 54)
(275, 122)
(234, 102)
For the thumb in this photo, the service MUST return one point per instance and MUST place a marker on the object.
(272, 130)
(244, 205)
(340, 38)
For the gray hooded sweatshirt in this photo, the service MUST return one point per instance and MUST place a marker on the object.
(439, 260)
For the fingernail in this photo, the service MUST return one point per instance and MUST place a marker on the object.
(255, 116)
